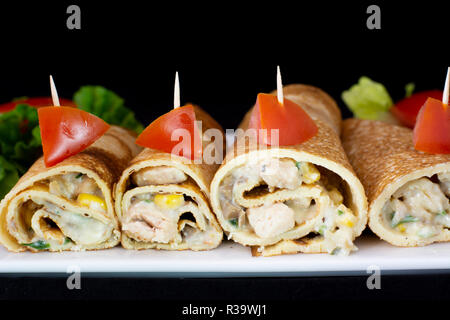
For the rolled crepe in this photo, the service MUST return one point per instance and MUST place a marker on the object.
(288, 199)
(68, 206)
(407, 189)
(162, 200)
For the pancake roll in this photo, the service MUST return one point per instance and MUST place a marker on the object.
(288, 199)
(408, 190)
(69, 206)
(162, 200)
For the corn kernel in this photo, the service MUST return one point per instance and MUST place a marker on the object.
(401, 228)
(309, 172)
(169, 201)
(91, 201)
(347, 222)
(346, 219)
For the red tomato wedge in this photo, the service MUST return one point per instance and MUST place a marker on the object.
(432, 129)
(66, 131)
(294, 124)
(34, 102)
(164, 134)
(406, 110)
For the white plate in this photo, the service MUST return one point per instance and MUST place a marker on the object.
(232, 260)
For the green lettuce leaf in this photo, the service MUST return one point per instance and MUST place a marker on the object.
(107, 105)
(20, 144)
(368, 99)
(9, 175)
(409, 89)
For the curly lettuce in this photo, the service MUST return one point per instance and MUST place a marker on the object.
(107, 105)
(368, 99)
(20, 144)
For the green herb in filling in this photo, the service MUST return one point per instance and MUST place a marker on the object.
(392, 215)
(336, 251)
(79, 175)
(322, 229)
(442, 213)
(234, 222)
(298, 164)
(405, 220)
(67, 240)
(38, 245)
(340, 212)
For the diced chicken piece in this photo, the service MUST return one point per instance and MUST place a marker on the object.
(246, 174)
(400, 211)
(444, 182)
(145, 222)
(70, 185)
(271, 220)
(422, 197)
(303, 208)
(64, 185)
(158, 175)
(54, 187)
(231, 210)
(335, 196)
(280, 174)
(87, 185)
(310, 174)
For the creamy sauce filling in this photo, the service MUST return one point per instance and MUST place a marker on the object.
(72, 184)
(194, 237)
(161, 218)
(45, 225)
(336, 228)
(420, 207)
(277, 216)
(56, 228)
(168, 219)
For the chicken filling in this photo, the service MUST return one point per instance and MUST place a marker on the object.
(420, 207)
(42, 225)
(165, 218)
(276, 196)
(158, 175)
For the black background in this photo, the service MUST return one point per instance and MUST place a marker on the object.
(226, 52)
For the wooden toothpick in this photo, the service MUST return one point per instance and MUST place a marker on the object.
(54, 92)
(176, 93)
(279, 87)
(446, 89)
